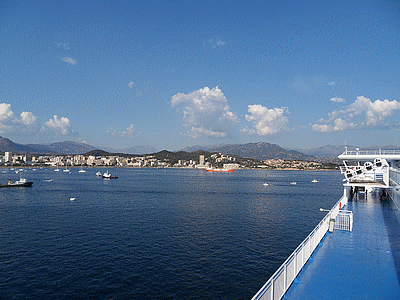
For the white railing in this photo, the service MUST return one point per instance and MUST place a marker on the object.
(344, 220)
(276, 287)
(371, 152)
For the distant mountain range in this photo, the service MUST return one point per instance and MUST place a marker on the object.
(260, 151)
(132, 150)
(67, 147)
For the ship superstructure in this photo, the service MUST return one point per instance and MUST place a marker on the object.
(372, 171)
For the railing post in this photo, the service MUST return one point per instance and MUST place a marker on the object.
(272, 289)
(284, 279)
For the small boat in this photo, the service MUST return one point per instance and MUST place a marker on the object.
(66, 169)
(98, 174)
(56, 169)
(265, 184)
(218, 170)
(48, 180)
(314, 181)
(22, 182)
(72, 198)
(107, 175)
(81, 170)
(293, 183)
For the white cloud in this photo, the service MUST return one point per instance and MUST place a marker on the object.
(10, 123)
(266, 121)
(362, 113)
(380, 110)
(61, 126)
(205, 112)
(27, 123)
(217, 43)
(338, 100)
(28, 118)
(196, 132)
(5, 112)
(131, 84)
(128, 132)
(63, 45)
(321, 128)
(69, 60)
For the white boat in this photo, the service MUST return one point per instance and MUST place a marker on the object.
(66, 170)
(107, 175)
(81, 171)
(293, 183)
(314, 181)
(56, 169)
(98, 174)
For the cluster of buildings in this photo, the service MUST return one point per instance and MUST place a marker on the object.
(215, 160)
(113, 161)
(292, 164)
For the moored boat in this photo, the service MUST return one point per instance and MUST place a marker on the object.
(107, 175)
(22, 182)
(219, 170)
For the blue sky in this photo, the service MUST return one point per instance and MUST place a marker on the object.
(170, 74)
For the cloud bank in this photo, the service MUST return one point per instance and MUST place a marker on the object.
(128, 132)
(266, 121)
(361, 114)
(10, 123)
(205, 113)
(27, 124)
(61, 126)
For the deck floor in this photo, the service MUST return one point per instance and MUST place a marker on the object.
(362, 264)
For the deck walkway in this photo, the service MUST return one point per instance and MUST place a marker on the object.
(362, 264)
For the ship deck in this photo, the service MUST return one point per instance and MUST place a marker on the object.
(362, 264)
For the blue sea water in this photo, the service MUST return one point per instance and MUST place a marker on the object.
(154, 233)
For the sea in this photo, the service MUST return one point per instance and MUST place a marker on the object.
(154, 233)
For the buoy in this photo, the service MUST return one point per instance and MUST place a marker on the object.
(340, 205)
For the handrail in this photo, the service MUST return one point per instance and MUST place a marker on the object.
(371, 152)
(276, 287)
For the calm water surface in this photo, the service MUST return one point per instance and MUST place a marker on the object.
(154, 233)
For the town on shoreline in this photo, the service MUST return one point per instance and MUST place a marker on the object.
(216, 160)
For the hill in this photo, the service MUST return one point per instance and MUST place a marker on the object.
(260, 151)
(67, 147)
(9, 146)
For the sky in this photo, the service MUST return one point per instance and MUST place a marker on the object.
(170, 74)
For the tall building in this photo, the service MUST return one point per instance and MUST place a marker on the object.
(7, 156)
(201, 160)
